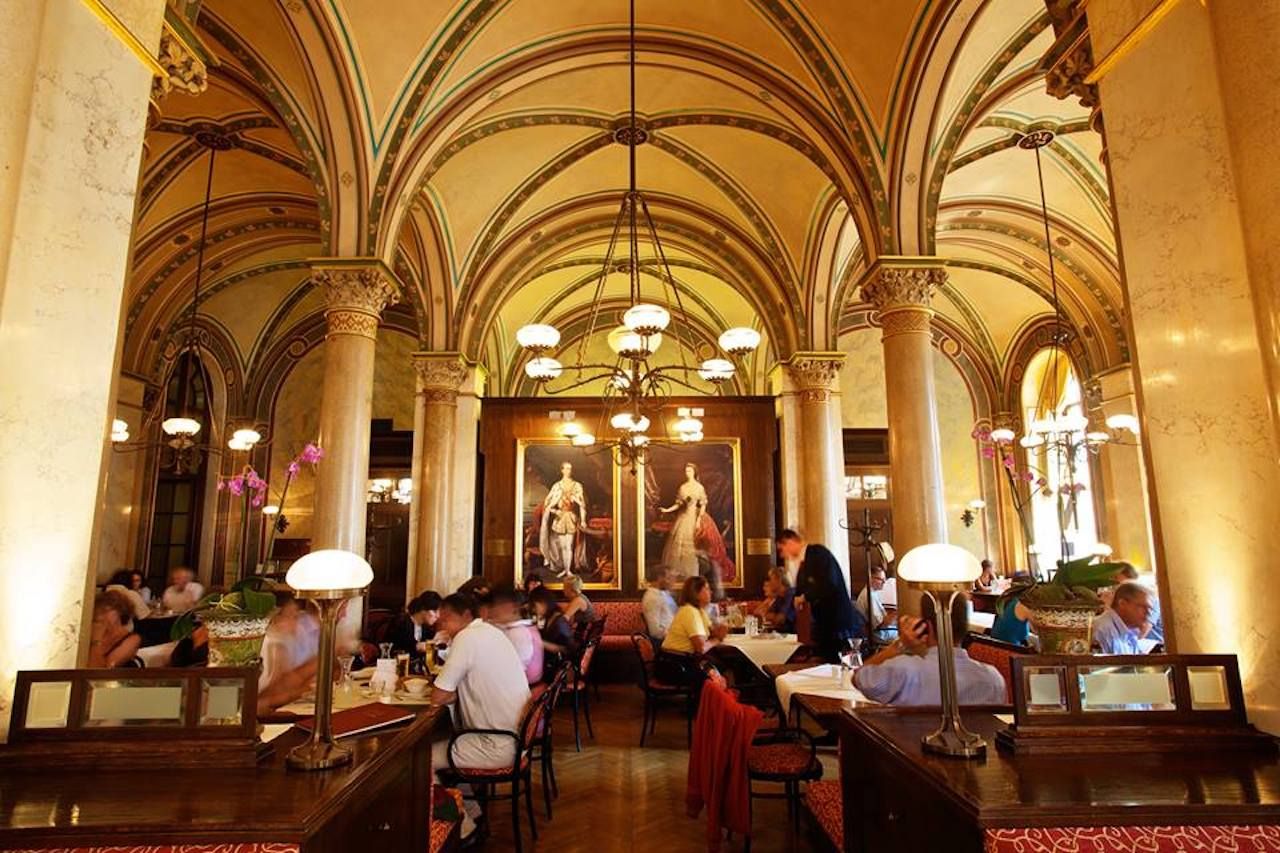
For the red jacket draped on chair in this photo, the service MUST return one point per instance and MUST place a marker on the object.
(722, 735)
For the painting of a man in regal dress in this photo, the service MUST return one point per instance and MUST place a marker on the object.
(564, 519)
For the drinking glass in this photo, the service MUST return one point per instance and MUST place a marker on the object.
(402, 665)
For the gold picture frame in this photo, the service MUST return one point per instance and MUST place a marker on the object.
(583, 459)
(697, 452)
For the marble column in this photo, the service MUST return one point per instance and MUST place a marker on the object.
(1124, 511)
(813, 450)
(1191, 121)
(440, 379)
(901, 292)
(74, 100)
(356, 290)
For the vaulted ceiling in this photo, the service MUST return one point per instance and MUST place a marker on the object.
(470, 144)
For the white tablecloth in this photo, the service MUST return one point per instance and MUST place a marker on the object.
(763, 651)
(981, 622)
(815, 681)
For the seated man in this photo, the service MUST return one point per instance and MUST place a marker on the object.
(658, 605)
(1118, 629)
(183, 593)
(485, 681)
(412, 629)
(778, 610)
(906, 672)
(504, 614)
(881, 620)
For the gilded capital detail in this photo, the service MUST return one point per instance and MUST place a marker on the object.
(184, 70)
(902, 297)
(355, 298)
(440, 376)
(816, 375)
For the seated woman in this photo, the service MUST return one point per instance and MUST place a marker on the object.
(691, 632)
(558, 642)
(112, 642)
(578, 608)
(122, 582)
(411, 630)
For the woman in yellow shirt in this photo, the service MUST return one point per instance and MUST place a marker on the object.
(691, 631)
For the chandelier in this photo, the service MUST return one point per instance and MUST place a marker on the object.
(1052, 432)
(182, 451)
(634, 386)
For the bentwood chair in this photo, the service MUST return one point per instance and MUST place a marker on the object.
(653, 687)
(578, 688)
(542, 751)
(518, 775)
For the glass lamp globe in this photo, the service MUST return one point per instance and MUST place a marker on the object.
(638, 440)
(1123, 421)
(716, 370)
(688, 425)
(180, 426)
(691, 437)
(1002, 435)
(1034, 439)
(627, 422)
(1073, 422)
(939, 563)
(237, 445)
(1041, 426)
(537, 337)
(646, 319)
(543, 368)
(1097, 436)
(739, 340)
(570, 429)
(629, 344)
(247, 436)
(583, 439)
(328, 570)
(271, 510)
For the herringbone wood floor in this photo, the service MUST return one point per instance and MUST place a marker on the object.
(616, 797)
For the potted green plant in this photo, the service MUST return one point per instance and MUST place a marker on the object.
(1063, 608)
(236, 620)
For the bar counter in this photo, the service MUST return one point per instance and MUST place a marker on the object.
(382, 799)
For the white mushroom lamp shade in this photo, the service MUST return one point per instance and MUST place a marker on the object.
(629, 344)
(583, 439)
(543, 369)
(646, 319)
(939, 564)
(329, 570)
(629, 423)
(1123, 421)
(1002, 435)
(716, 370)
(537, 337)
(180, 426)
(739, 340)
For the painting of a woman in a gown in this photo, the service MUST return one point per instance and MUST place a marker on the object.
(693, 532)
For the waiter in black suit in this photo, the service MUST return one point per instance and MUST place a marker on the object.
(820, 583)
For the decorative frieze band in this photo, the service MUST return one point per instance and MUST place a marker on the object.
(815, 375)
(441, 376)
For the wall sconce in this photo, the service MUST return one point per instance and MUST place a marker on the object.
(970, 515)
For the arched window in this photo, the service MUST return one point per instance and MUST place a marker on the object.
(176, 510)
(1062, 507)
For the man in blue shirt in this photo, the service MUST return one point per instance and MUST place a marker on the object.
(906, 672)
(1118, 629)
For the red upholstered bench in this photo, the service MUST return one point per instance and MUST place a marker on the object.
(823, 800)
(621, 620)
(1134, 839)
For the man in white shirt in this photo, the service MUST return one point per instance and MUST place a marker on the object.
(880, 618)
(906, 673)
(183, 592)
(1118, 629)
(485, 682)
(659, 605)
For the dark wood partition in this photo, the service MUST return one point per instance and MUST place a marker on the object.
(749, 420)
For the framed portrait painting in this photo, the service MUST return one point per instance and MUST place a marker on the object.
(567, 510)
(691, 512)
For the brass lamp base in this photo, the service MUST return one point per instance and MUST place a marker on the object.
(955, 744)
(318, 755)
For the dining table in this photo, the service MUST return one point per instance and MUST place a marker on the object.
(766, 648)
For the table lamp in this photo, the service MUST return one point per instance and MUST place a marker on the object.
(328, 578)
(943, 569)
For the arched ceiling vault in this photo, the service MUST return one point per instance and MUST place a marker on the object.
(469, 144)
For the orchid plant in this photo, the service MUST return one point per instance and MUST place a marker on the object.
(1027, 481)
(311, 455)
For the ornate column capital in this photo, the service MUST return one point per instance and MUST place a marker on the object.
(903, 295)
(1068, 62)
(815, 375)
(184, 70)
(441, 375)
(355, 291)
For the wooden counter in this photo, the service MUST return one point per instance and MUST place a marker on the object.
(898, 798)
(380, 801)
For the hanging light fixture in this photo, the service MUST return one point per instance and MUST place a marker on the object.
(634, 388)
(181, 430)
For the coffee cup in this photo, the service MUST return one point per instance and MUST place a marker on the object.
(416, 686)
